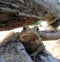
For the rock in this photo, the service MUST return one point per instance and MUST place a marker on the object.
(45, 56)
(14, 52)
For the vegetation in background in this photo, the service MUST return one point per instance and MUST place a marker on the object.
(37, 23)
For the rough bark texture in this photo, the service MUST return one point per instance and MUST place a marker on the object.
(17, 13)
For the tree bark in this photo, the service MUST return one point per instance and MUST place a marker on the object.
(17, 13)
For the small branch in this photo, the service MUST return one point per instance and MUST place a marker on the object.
(50, 35)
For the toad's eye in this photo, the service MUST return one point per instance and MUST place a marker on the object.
(37, 29)
(24, 28)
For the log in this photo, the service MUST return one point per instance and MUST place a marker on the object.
(50, 35)
(17, 13)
